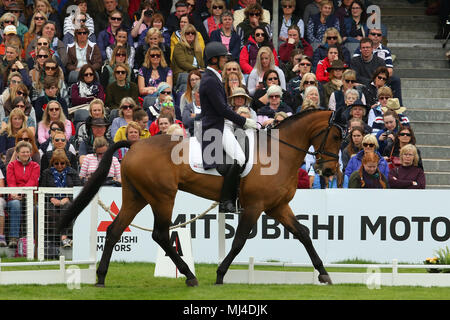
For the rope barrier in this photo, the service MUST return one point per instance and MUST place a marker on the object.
(104, 207)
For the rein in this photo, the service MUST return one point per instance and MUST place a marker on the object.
(321, 150)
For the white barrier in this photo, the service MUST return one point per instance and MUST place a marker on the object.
(373, 277)
(67, 273)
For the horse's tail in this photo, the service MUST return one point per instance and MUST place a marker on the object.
(92, 186)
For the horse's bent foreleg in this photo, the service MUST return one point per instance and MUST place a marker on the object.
(287, 218)
(160, 234)
(246, 223)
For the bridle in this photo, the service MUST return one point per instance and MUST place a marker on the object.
(331, 123)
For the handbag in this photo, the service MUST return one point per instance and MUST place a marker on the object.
(394, 161)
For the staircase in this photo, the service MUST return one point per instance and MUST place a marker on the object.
(425, 74)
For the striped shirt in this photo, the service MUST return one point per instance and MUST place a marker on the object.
(90, 164)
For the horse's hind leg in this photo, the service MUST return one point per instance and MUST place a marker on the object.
(287, 218)
(246, 223)
(130, 208)
(162, 212)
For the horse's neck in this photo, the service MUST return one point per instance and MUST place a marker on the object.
(299, 134)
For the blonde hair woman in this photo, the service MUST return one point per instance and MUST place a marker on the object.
(409, 175)
(53, 112)
(188, 53)
(37, 22)
(264, 61)
(17, 120)
(154, 70)
(370, 145)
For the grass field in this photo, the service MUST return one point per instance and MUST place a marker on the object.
(135, 281)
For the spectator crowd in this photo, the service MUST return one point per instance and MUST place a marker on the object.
(79, 75)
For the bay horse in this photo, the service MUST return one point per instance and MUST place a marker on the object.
(149, 176)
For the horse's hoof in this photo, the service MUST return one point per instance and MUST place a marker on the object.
(218, 283)
(192, 282)
(324, 278)
(100, 285)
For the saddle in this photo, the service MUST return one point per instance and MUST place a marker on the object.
(247, 143)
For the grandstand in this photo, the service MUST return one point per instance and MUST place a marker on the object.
(77, 84)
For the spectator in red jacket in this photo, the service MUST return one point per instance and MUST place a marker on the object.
(294, 42)
(249, 52)
(322, 73)
(22, 172)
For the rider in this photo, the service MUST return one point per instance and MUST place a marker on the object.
(216, 114)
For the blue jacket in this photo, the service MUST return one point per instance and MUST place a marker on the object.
(355, 163)
(235, 43)
(215, 110)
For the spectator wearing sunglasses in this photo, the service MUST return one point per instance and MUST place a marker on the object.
(379, 80)
(19, 90)
(253, 19)
(36, 24)
(370, 145)
(11, 19)
(53, 112)
(24, 134)
(369, 175)
(75, 21)
(82, 52)
(392, 149)
(60, 174)
(103, 18)
(249, 53)
(24, 105)
(87, 88)
(332, 37)
(58, 142)
(126, 109)
(121, 87)
(213, 21)
(288, 19)
(109, 35)
(320, 22)
(240, 13)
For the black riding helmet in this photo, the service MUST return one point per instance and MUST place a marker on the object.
(215, 49)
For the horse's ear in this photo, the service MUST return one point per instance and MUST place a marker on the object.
(337, 118)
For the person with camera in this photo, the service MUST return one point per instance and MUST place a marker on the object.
(387, 135)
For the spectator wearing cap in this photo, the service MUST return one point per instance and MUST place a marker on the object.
(266, 114)
(82, 51)
(12, 19)
(240, 99)
(335, 72)
(99, 127)
(392, 104)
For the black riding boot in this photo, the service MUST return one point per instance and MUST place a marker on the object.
(230, 189)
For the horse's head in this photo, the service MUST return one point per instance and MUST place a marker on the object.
(327, 142)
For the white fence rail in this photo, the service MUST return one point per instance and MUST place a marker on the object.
(48, 276)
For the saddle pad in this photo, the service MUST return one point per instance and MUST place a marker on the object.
(196, 162)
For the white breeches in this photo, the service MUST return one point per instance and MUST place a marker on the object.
(231, 145)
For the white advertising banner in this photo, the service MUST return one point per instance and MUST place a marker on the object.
(376, 225)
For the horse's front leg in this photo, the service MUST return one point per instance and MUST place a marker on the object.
(245, 225)
(286, 217)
